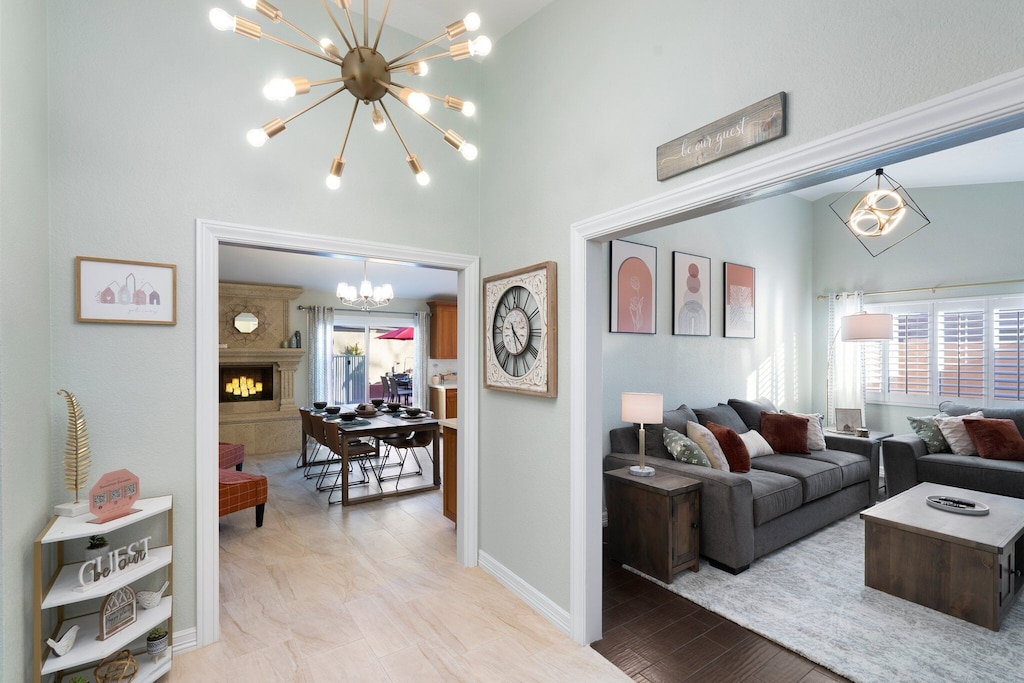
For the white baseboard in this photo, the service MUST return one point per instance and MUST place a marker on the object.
(530, 595)
(184, 641)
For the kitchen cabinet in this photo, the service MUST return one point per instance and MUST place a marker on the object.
(444, 329)
(449, 470)
(59, 595)
(444, 401)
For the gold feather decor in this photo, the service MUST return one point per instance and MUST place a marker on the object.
(76, 453)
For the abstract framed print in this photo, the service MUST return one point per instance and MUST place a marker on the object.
(691, 295)
(739, 301)
(634, 278)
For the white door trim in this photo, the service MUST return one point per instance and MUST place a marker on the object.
(983, 109)
(209, 235)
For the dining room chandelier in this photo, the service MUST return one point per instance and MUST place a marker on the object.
(365, 73)
(367, 296)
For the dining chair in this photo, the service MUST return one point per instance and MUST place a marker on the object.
(307, 429)
(359, 451)
(403, 388)
(403, 445)
(389, 388)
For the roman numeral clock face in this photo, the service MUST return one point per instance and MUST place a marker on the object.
(520, 331)
(516, 331)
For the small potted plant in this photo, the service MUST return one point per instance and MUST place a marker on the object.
(97, 547)
(156, 641)
(79, 679)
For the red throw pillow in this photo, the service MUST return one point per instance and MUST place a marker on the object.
(732, 445)
(785, 433)
(996, 439)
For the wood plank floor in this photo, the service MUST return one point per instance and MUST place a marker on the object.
(654, 635)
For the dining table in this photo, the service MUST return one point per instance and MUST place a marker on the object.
(383, 423)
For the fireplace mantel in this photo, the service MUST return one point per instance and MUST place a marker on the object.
(263, 426)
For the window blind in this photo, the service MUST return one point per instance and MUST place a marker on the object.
(961, 354)
(1008, 348)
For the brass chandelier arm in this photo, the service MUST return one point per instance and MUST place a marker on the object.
(300, 31)
(366, 22)
(380, 29)
(417, 49)
(315, 104)
(336, 24)
(355, 36)
(393, 126)
(318, 55)
(392, 66)
(339, 79)
(348, 129)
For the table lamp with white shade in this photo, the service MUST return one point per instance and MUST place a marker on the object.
(642, 409)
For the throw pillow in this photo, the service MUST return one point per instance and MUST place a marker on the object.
(750, 411)
(956, 434)
(996, 439)
(755, 443)
(703, 437)
(815, 436)
(684, 449)
(785, 433)
(733, 447)
(928, 431)
(721, 414)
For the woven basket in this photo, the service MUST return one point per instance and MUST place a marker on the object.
(119, 667)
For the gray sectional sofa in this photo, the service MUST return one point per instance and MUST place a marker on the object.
(783, 498)
(908, 462)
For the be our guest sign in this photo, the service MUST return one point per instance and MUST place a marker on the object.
(749, 127)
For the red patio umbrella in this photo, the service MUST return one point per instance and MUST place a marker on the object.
(404, 333)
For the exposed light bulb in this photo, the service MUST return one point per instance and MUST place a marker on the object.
(251, 4)
(468, 108)
(481, 47)
(329, 48)
(419, 102)
(379, 124)
(472, 21)
(468, 151)
(279, 89)
(333, 182)
(221, 20)
(257, 137)
(423, 178)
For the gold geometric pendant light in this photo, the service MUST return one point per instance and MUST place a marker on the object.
(362, 71)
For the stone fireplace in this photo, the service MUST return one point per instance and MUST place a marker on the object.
(265, 421)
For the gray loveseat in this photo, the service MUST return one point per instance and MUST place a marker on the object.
(783, 498)
(908, 462)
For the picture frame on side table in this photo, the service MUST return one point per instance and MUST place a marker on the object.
(634, 287)
(118, 291)
(691, 295)
(739, 301)
(849, 420)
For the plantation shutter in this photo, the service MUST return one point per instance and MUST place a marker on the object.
(909, 355)
(961, 354)
(1008, 349)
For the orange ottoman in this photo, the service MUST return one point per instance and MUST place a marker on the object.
(241, 490)
(231, 455)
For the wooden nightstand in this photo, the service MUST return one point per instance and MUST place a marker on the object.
(653, 522)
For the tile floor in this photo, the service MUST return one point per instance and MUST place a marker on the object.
(367, 593)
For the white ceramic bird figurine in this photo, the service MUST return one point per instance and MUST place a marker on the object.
(63, 646)
(150, 599)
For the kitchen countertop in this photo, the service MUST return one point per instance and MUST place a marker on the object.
(450, 424)
(443, 386)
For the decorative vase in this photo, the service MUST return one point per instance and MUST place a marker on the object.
(155, 646)
(93, 553)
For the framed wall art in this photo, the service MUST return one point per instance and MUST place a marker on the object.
(739, 301)
(634, 278)
(116, 291)
(691, 295)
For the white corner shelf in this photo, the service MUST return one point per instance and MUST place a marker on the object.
(66, 590)
(69, 528)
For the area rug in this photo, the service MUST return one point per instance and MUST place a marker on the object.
(810, 597)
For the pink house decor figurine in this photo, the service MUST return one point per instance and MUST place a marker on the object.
(113, 496)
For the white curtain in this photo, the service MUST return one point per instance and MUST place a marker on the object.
(421, 333)
(845, 380)
(320, 333)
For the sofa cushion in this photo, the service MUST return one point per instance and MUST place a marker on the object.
(815, 436)
(854, 467)
(733, 447)
(709, 444)
(750, 411)
(818, 478)
(928, 430)
(785, 433)
(683, 449)
(756, 444)
(671, 419)
(723, 415)
(1015, 414)
(1001, 477)
(956, 434)
(996, 439)
(774, 495)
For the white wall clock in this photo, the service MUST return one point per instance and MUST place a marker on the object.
(521, 331)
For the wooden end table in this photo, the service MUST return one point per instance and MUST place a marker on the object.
(653, 522)
(966, 566)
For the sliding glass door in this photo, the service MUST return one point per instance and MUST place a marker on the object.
(366, 350)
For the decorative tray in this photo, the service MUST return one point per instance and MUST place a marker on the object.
(961, 506)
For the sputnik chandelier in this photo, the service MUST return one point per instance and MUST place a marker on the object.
(365, 73)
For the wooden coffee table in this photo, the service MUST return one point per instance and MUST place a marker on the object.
(966, 566)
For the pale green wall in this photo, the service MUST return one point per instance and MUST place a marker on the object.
(577, 100)
(773, 236)
(974, 236)
(29, 460)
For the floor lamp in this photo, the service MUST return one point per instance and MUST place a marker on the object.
(859, 327)
(642, 409)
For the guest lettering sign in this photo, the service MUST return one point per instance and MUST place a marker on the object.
(749, 127)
